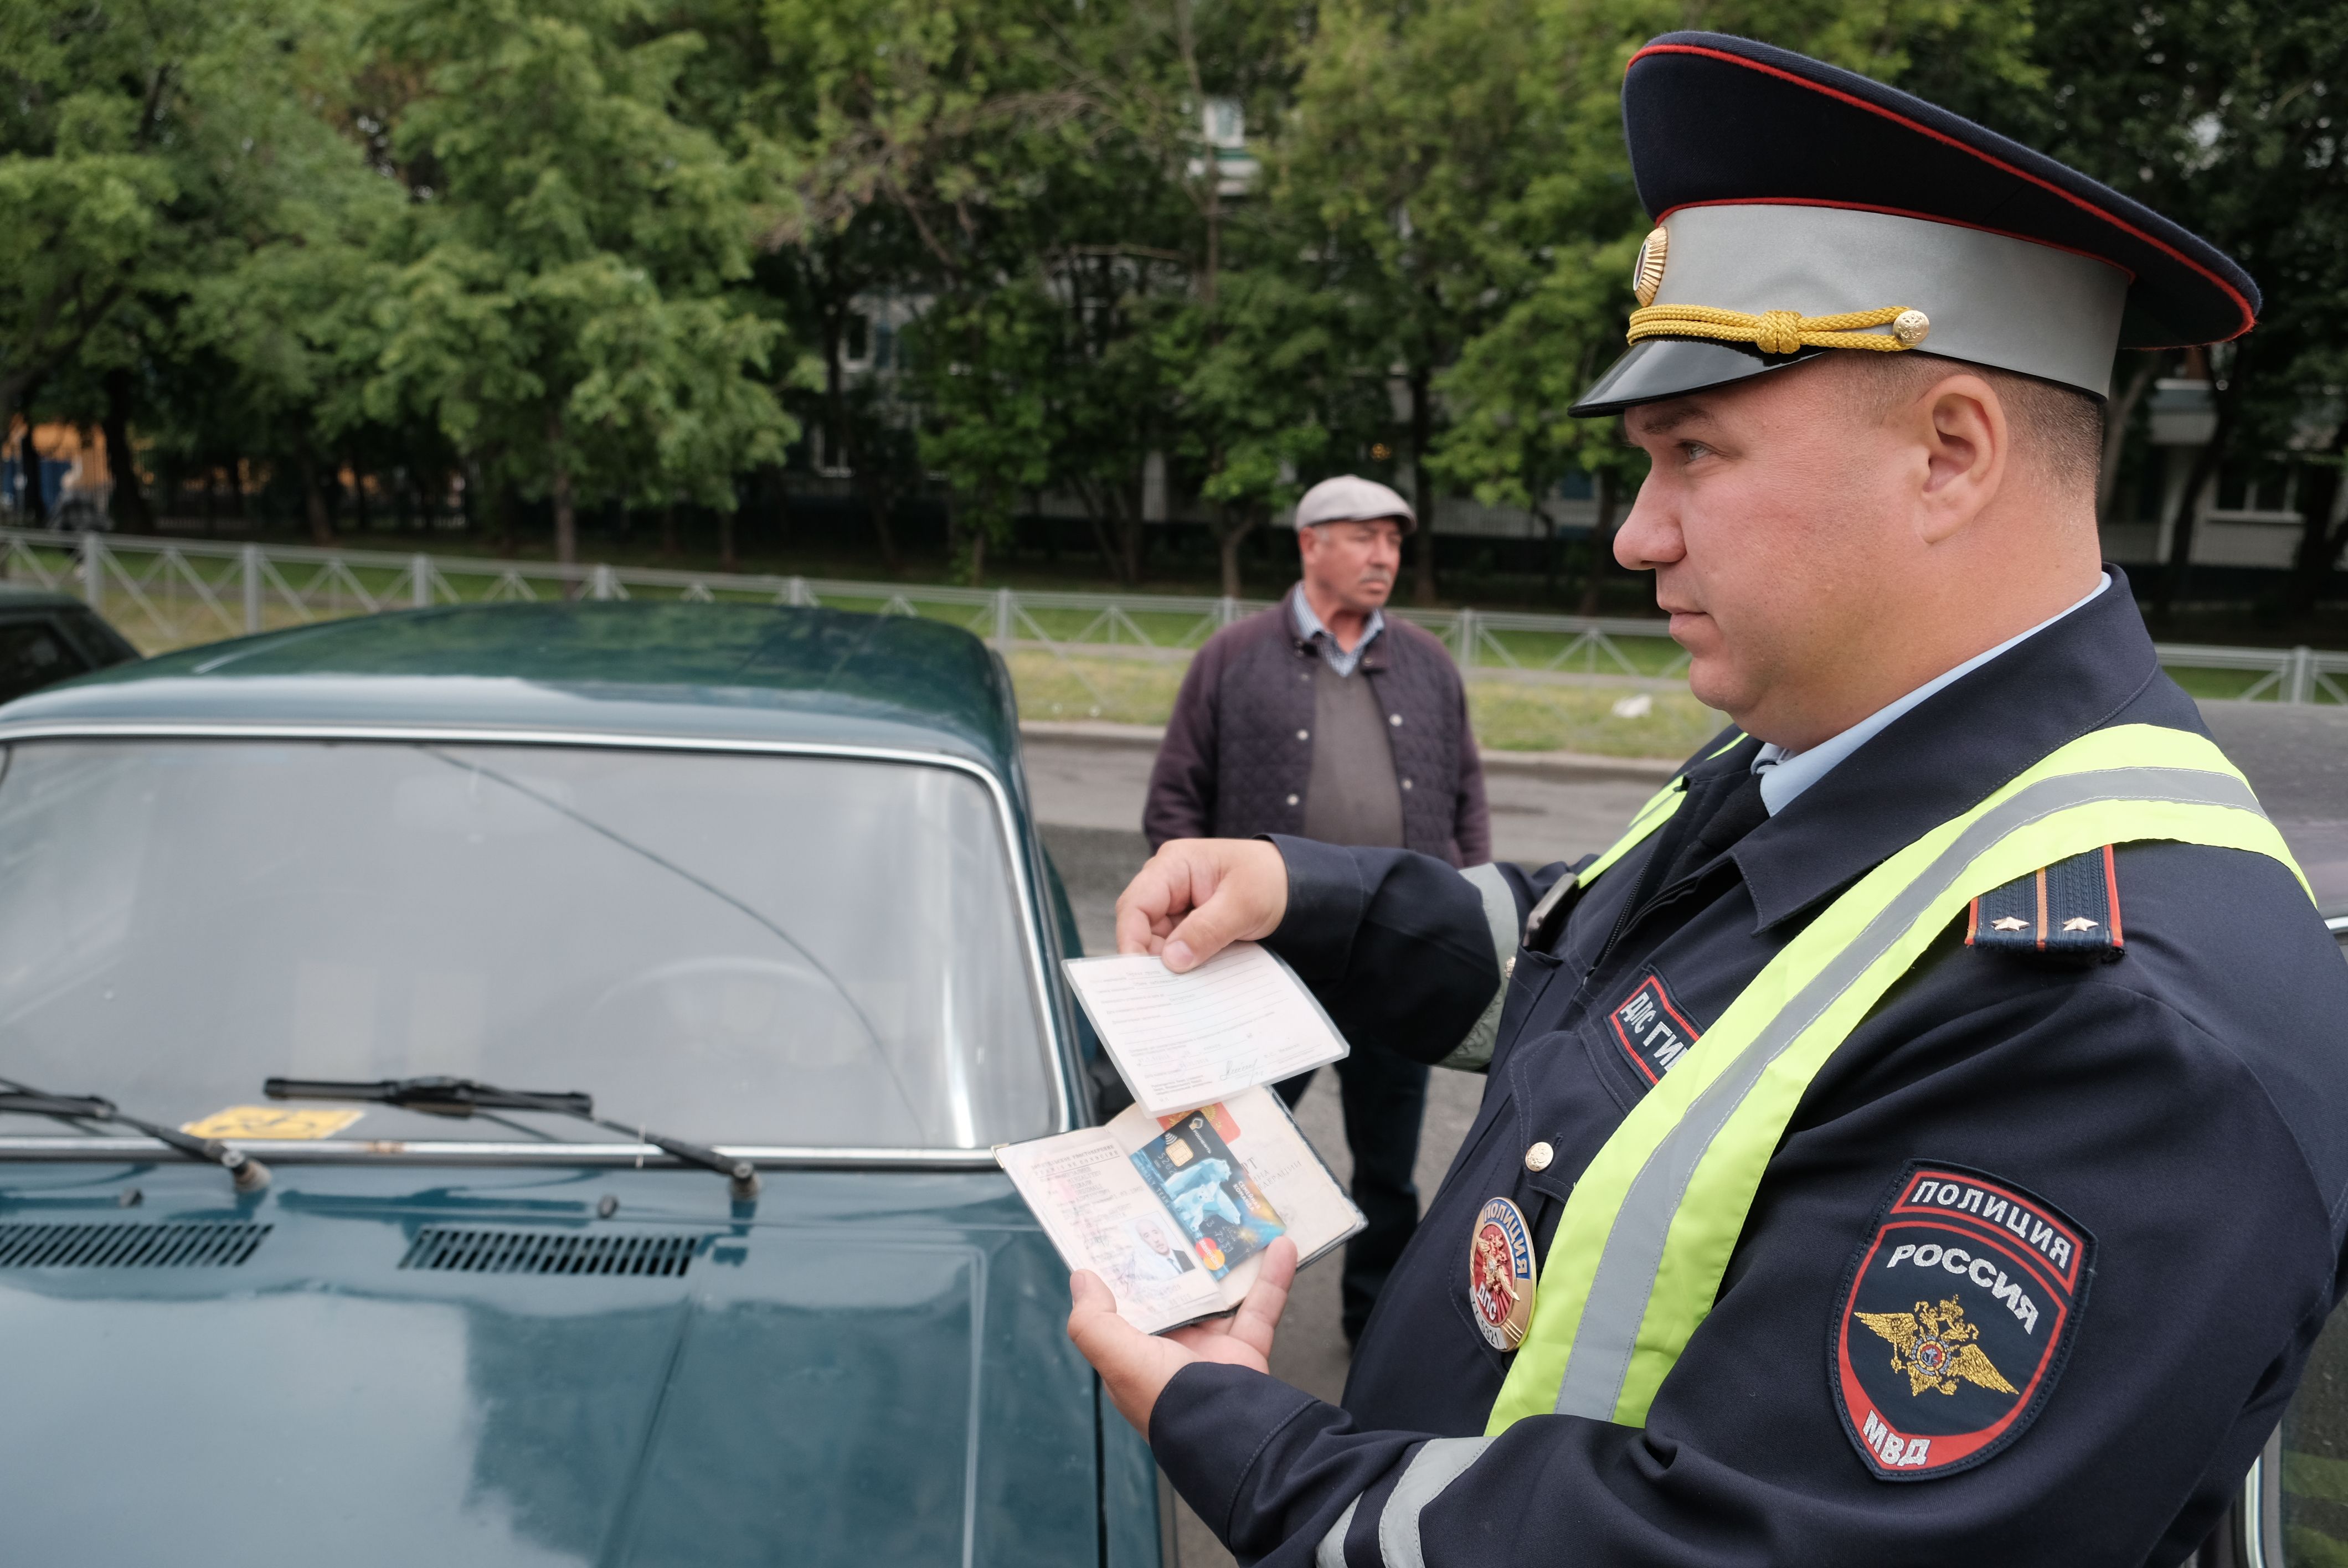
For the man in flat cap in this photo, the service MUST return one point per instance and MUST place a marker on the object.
(1918, 1139)
(1321, 718)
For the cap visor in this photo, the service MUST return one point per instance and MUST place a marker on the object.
(1660, 367)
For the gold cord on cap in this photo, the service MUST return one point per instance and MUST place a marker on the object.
(1785, 331)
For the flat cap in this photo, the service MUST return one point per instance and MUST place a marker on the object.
(1350, 498)
(1800, 208)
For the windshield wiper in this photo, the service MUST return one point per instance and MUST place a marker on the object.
(464, 1096)
(249, 1173)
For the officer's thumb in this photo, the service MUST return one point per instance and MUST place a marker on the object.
(1090, 1300)
(1197, 939)
(1246, 888)
(1088, 1293)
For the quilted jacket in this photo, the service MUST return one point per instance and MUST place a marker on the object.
(1231, 765)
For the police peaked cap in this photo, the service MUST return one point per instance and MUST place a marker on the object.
(1800, 208)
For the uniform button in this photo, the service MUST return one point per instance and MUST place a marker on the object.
(1303, 734)
(1394, 718)
(1508, 969)
(1405, 783)
(1537, 1157)
(1292, 799)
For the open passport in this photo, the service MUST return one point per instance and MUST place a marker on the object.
(1174, 1201)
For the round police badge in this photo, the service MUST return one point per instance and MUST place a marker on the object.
(1500, 1274)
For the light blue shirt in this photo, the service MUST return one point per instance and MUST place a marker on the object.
(1308, 627)
(1785, 775)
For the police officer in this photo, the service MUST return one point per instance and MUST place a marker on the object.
(1921, 1138)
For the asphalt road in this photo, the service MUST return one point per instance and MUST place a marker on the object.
(1089, 798)
(2297, 759)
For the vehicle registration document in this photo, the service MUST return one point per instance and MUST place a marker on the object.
(1173, 1212)
(1241, 1018)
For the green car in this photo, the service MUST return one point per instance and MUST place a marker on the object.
(515, 1085)
(46, 637)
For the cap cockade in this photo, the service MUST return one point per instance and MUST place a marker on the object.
(1800, 208)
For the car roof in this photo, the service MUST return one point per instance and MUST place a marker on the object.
(666, 670)
(24, 596)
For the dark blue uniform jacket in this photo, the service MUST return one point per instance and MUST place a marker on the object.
(2185, 1107)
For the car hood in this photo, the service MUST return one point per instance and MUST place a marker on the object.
(365, 1365)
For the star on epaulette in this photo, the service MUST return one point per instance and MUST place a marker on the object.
(2069, 910)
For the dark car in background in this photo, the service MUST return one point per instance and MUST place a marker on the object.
(46, 637)
(712, 887)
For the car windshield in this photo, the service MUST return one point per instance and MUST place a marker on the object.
(737, 948)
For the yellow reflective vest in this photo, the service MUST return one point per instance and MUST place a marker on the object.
(1638, 1256)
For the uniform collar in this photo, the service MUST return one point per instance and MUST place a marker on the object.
(1785, 777)
(1950, 750)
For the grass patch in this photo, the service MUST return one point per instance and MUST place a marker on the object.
(1656, 655)
(1118, 691)
(1508, 715)
(1513, 716)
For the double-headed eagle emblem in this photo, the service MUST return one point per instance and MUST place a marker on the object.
(1934, 1346)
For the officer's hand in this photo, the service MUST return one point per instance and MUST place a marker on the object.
(1135, 1367)
(1197, 895)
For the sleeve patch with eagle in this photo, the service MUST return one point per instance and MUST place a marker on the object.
(1956, 1318)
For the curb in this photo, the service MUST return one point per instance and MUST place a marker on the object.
(1549, 764)
(1581, 765)
(1092, 733)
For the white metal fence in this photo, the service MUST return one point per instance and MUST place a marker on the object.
(171, 593)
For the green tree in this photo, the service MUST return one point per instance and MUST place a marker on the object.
(565, 304)
(146, 148)
(2225, 116)
(1272, 395)
(1509, 441)
(942, 114)
(1048, 165)
(1546, 248)
(290, 329)
(1416, 141)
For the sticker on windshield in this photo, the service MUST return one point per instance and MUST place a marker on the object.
(279, 1121)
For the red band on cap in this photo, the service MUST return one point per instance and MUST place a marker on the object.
(2250, 318)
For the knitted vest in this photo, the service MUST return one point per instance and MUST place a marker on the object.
(1264, 698)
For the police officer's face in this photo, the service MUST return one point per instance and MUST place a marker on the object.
(1353, 563)
(1772, 517)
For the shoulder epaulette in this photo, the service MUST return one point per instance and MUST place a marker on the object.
(2070, 909)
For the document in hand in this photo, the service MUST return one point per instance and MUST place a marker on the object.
(1241, 1018)
(1173, 1214)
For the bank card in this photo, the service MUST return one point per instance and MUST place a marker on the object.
(1209, 1191)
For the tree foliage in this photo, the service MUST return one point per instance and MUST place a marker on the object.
(620, 252)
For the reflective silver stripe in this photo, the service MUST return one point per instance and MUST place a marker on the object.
(1434, 1466)
(1331, 1552)
(1625, 1279)
(1473, 1051)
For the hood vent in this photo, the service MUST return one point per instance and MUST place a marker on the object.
(167, 1245)
(551, 1252)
